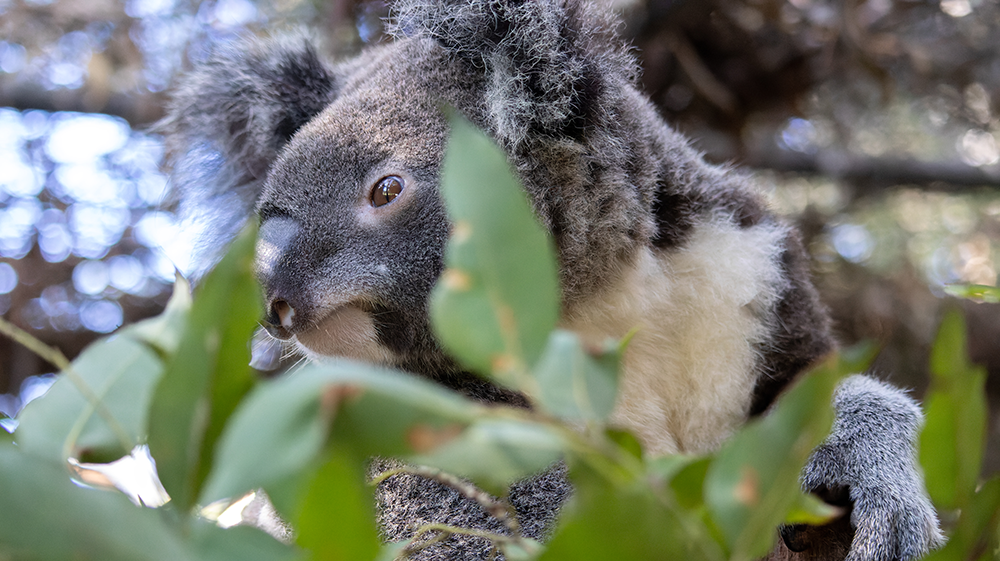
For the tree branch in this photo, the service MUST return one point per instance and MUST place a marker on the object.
(875, 174)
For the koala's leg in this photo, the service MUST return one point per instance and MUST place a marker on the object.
(870, 460)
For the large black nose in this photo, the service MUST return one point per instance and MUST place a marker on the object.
(275, 270)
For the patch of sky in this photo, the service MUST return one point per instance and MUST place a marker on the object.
(852, 242)
(76, 184)
(13, 57)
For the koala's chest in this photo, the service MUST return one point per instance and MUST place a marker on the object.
(701, 312)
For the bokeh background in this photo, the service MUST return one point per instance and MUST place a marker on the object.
(873, 124)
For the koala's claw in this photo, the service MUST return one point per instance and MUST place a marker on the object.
(871, 453)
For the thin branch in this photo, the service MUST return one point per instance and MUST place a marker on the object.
(876, 174)
(711, 87)
(444, 531)
(500, 510)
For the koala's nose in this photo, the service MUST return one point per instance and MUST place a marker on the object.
(281, 313)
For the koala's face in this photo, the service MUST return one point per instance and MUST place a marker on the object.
(353, 229)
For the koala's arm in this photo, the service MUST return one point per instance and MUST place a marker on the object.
(870, 460)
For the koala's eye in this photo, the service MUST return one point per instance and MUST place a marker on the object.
(387, 189)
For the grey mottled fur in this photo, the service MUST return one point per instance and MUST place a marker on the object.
(871, 454)
(269, 124)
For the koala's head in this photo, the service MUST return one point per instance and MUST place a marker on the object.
(352, 228)
(341, 162)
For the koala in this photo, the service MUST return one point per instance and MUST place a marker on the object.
(341, 163)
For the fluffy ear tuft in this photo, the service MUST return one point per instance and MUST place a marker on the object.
(546, 62)
(228, 118)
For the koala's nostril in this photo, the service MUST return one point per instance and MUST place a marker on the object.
(284, 312)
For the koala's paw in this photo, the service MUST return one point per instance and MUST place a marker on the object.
(871, 455)
(888, 526)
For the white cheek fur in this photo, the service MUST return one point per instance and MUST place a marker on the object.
(688, 373)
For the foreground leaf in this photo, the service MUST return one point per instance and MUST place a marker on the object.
(207, 376)
(574, 384)
(49, 518)
(951, 444)
(99, 412)
(498, 298)
(753, 482)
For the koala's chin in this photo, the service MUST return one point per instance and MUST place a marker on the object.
(347, 331)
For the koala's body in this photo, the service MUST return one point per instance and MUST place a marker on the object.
(342, 162)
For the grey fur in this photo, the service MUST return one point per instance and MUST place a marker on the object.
(871, 453)
(271, 125)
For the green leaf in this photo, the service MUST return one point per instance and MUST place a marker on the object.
(978, 292)
(977, 533)
(495, 452)
(49, 518)
(337, 518)
(809, 509)
(575, 384)
(239, 543)
(207, 376)
(498, 297)
(606, 521)
(97, 410)
(954, 434)
(753, 482)
(287, 420)
(164, 331)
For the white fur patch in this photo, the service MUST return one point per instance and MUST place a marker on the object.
(347, 331)
(688, 373)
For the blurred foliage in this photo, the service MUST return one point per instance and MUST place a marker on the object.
(304, 437)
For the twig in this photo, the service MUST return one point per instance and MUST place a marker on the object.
(702, 78)
(495, 508)
(55, 357)
(445, 531)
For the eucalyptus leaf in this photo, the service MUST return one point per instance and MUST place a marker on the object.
(626, 522)
(288, 421)
(240, 543)
(49, 518)
(336, 519)
(753, 482)
(100, 407)
(954, 434)
(495, 452)
(207, 375)
(498, 297)
(574, 384)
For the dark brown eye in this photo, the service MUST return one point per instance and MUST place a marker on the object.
(387, 189)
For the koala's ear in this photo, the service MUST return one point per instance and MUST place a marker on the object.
(547, 63)
(231, 114)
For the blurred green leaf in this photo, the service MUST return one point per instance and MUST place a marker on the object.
(46, 517)
(977, 533)
(337, 518)
(626, 522)
(978, 292)
(498, 298)
(753, 482)
(288, 420)
(575, 384)
(207, 375)
(951, 444)
(496, 452)
(164, 331)
(108, 417)
(809, 509)
(239, 543)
